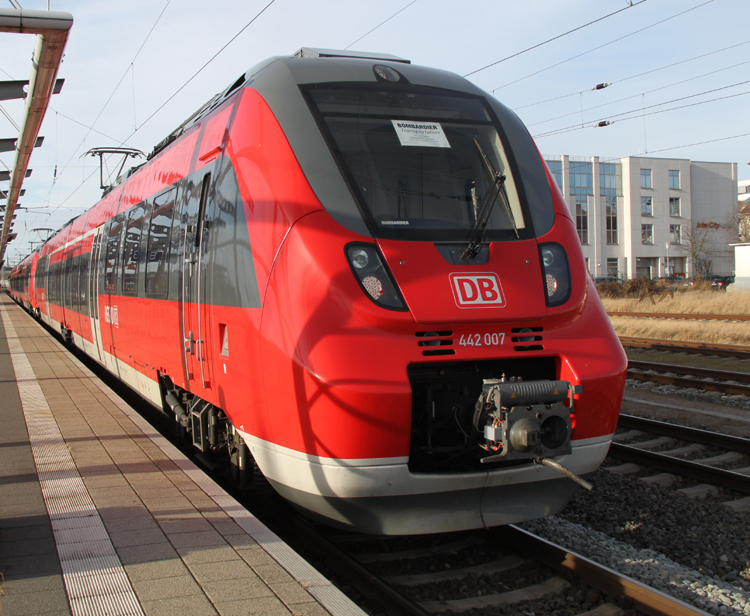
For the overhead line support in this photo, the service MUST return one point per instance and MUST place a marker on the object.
(51, 28)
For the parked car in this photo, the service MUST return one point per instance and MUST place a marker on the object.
(672, 280)
(719, 283)
(604, 279)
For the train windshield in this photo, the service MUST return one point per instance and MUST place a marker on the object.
(422, 164)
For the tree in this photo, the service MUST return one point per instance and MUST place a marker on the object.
(743, 221)
(698, 239)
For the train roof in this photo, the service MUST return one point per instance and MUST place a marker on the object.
(274, 77)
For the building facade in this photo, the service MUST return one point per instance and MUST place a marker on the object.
(652, 217)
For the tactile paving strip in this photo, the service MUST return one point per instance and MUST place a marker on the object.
(52, 460)
(94, 577)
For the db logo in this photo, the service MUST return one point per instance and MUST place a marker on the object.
(477, 290)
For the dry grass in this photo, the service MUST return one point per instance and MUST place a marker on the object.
(713, 332)
(710, 302)
(685, 301)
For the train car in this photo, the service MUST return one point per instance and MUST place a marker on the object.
(21, 281)
(358, 274)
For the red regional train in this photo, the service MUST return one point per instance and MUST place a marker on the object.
(358, 274)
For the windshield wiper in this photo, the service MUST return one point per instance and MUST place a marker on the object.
(480, 223)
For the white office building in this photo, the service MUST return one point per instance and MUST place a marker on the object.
(640, 216)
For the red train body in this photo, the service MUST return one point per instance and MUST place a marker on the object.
(353, 266)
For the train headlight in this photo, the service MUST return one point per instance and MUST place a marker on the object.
(556, 273)
(359, 258)
(373, 276)
(548, 257)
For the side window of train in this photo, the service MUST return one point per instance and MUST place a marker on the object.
(59, 280)
(74, 281)
(131, 250)
(68, 279)
(113, 251)
(83, 271)
(51, 268)
(157, 255)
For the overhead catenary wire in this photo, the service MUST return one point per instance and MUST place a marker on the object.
(124, 141)
(612, 42)
(654, 70)
(385, 22)
(640, 94)
(689, 145)
(91, 128)
(641, 111)
(554, 38)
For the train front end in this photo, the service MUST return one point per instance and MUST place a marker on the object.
(434, 354)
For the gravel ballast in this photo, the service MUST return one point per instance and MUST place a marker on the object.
(706, 592)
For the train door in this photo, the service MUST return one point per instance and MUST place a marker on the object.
(194, 311)
(92, 307)
(111, 243)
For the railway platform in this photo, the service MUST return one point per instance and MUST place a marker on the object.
(99, 514)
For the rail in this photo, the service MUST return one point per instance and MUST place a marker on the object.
(684, 346)
(685, 433)
(686, 468)
(690, 376)
(648, 600)
(667, 315)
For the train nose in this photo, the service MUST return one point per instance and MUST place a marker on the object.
(437, 291)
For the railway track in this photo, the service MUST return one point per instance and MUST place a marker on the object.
(704, 470)
(407, 582)
(682, 346)
(734, 383)
(668, 315)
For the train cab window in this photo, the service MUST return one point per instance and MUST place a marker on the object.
(131, 250)
(113, 251)
(157, 268)
(422, 163)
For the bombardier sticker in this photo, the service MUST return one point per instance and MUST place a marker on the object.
(477, 290)
(425, 134)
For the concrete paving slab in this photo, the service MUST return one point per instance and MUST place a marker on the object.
(171, 531)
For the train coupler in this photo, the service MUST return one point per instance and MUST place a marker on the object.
(524, 420)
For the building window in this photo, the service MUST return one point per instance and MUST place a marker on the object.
(581, 186)
(675, 234)
(647, 234)
(611, 215)
(612, 268)
(647, 206)
(674, 180)
(610, 183)
(582, 220)
(674, 206)
(645, 178)
(555, 168)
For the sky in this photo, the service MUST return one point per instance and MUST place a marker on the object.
(679, 72)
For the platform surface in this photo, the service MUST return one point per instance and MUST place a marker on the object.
(101, 515)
